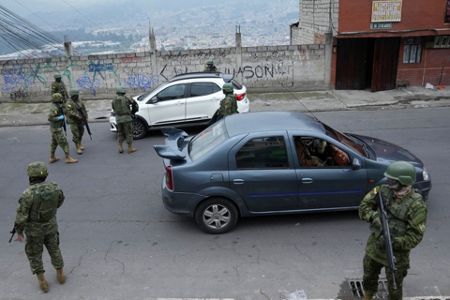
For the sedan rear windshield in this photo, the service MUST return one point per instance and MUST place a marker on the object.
(207, 140)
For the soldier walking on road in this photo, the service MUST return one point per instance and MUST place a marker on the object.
(210, 67)
(36, 216)
(57, 123)
(124, 108)
(58, 86)
(407, 214)
(76, 117)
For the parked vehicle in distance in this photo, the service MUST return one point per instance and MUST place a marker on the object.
(187, 99)
(269, 163)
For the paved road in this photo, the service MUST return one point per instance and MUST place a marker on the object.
(119, 242)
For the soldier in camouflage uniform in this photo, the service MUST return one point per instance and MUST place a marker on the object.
(124, 108)
(210, 67)
(56, 119)
(76, 117)
(36, 216)
(58, 86)
(228, 105)
(407, 214)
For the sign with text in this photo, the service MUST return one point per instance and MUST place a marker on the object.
(387, 11)
(380, 25)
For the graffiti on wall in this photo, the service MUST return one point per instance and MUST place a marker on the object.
(87, 83)
(18, 80)
(280, 73)
(171, 71)
(95, 76)
(260, 71)
(98, 67)
(141, 81)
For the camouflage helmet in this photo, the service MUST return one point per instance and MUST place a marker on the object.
(37, 169)
(228, 88)
(209, 63)
(120, 91)
(57, 98)
(57, 76)
(402, 171)
(74, 93)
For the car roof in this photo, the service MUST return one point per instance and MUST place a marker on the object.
(271, 121)
(199, 75)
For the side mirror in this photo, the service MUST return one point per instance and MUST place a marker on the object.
(356, 164)
(153, 100)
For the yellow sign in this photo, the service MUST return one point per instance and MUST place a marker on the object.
(387, 11)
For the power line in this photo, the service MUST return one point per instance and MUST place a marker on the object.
(90, 22)
(19, 34)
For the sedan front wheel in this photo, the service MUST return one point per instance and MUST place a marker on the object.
(216, 215)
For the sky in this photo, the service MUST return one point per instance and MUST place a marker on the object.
(87, 13)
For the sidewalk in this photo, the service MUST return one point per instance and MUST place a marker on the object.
(21, 114)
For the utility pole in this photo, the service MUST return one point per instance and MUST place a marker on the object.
(69, 53)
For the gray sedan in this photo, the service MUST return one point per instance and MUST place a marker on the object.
(268, 163)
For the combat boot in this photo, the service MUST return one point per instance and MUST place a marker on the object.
(43, 284)
(52, 158)
(70, 159)
(131, 149)
(79, 150)
(60, 276)
(120, 147)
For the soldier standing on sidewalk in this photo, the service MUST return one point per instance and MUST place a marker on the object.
(407, 214)
(58, 86)
(36, 216)
(124, 108)
(76, 117)
(210, 67)
(57, 123)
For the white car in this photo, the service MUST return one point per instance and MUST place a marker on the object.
(187, 99)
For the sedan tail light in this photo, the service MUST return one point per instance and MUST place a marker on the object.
(169, 178)
(240, 97)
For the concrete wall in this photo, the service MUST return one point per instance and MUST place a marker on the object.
(317, 17)
(267, 68)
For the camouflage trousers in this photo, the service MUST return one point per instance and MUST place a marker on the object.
(58, 138)
(35, 246)
(125, 132)
(77, 132)
(372, 270)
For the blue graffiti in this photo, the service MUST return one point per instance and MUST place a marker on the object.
(86, 83)
(100, 67)
(18, 79)
(142, 81)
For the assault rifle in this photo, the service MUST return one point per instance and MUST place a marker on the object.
(85, 121)
(64, 120)
(387, 238)
(13, 232)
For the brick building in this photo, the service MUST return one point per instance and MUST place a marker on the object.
(381, 44)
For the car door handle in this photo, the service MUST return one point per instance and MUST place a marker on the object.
(307, 180)
(238, 181)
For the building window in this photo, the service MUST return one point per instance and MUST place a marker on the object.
(447, 12)
(412, 51)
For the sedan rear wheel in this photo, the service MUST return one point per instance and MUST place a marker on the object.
(216, 215)
(139, 129)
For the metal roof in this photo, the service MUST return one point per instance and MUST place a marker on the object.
(271, 121)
